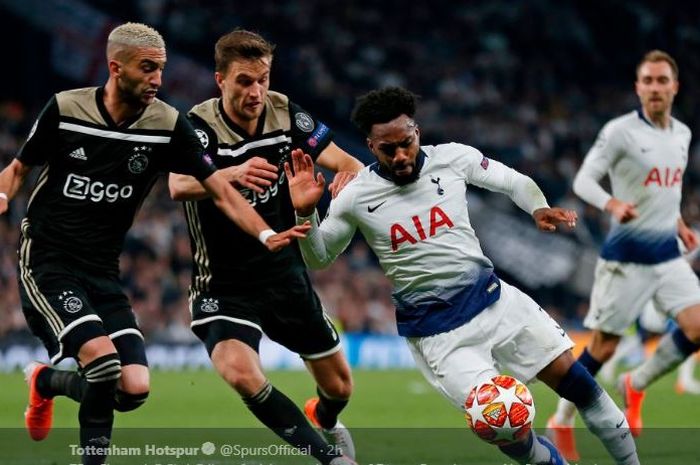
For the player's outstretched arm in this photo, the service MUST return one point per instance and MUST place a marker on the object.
(324, 241)
(305, 188)
(237, 208)
(11, 179)
(547, 219)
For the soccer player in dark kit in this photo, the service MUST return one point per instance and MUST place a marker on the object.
(101, 149)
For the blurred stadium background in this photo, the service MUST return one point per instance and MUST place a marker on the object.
(529, 83)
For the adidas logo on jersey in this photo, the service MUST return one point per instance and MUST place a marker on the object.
(78, 153)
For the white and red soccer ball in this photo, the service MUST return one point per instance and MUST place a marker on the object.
(500, 410)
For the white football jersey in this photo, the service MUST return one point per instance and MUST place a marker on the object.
(645, 165)
(422, 235)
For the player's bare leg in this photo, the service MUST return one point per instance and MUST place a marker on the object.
(239, 365)
(133, 388)
(95, 390)
(332, 374)
(48, 382)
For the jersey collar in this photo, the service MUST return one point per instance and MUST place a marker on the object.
(382, 173)
(99, 100)
(641, 115)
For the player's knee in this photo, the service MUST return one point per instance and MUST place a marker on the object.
(135, 379)
(126, 401)
(692, 332)
(689, 322)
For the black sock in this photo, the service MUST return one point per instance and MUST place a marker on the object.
(51, 382)
(328, 409)
(96, 413)
(592, 365)
(284, 418)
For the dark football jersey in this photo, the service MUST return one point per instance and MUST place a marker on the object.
(225, 257)
(96, 174)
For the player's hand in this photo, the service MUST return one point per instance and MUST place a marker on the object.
(340, 180)
(279, 241)
(622, 211)
(305, 189)
(4, 204)
(547, 219)
(688, 236)
(256, 174)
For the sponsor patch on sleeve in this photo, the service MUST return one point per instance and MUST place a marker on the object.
(203, 137)
(304, 122)
(484, 163)
(318, 135)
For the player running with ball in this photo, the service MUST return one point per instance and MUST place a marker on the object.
(459, 319)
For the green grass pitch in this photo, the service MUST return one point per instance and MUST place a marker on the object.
(396, 417)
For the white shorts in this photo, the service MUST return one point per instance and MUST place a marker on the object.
(622, 290)
(514, 333)
(652, 319)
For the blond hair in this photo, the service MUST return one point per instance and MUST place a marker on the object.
(133, 35)
(656, 56)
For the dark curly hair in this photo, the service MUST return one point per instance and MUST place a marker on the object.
(381, 106)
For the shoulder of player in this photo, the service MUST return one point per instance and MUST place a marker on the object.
(207, 110)
(78, 103)
(680, 127)
(277, 100)
(76, 95)
(623, 122)
(451, 152)
(619, 128)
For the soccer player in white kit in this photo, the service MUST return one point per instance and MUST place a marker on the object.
(644, 153)
(462, 323)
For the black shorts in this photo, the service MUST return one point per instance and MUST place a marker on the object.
(289, 312)
(65, 308)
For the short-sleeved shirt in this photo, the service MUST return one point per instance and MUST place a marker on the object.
(96, 174)
(225, 257)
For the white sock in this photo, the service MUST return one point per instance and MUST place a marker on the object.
(687, 370)
(604, 419)
(537, 453)
(666, 357)
(566, 412)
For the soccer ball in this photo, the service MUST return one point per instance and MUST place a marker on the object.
(500, 410)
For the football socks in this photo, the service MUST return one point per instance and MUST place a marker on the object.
(673, 348)
(52, 382)
(566, 410)
(328, 409)
(96, 413)
(283, 417)
(600, 414)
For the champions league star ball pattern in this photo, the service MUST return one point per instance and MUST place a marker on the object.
(501, 410)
